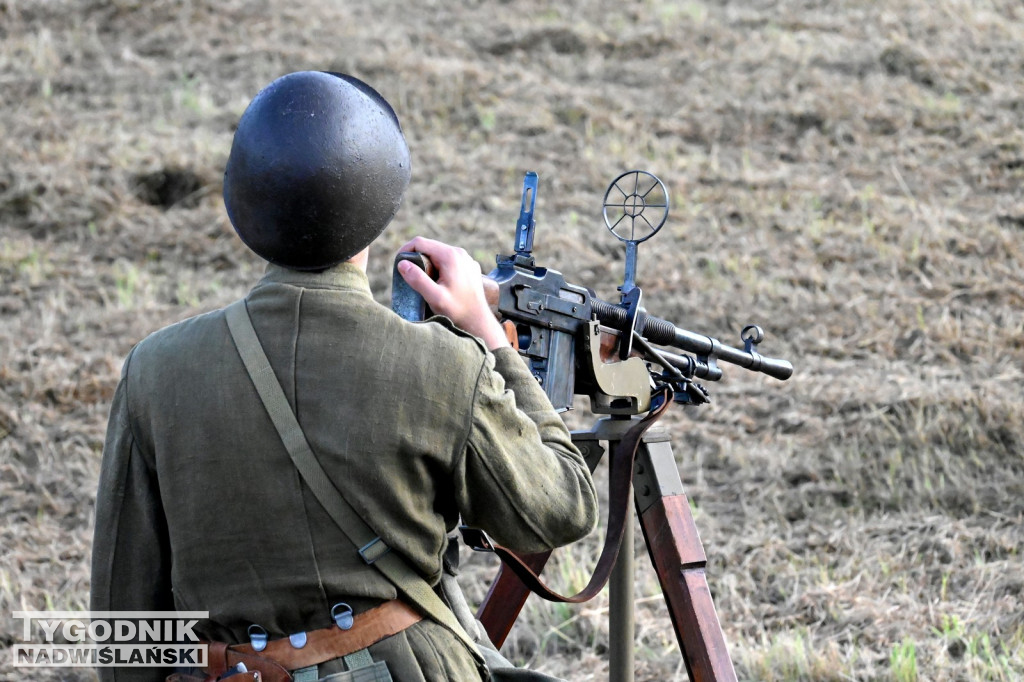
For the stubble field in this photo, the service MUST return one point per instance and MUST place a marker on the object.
(848, 174)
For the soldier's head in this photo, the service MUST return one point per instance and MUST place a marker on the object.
(317, 170)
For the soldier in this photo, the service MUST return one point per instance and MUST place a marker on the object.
(202, 506)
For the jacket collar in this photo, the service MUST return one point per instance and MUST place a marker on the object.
(341, 276)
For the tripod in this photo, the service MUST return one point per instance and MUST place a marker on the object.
(676, 554)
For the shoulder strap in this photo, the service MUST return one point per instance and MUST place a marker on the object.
(372, 548)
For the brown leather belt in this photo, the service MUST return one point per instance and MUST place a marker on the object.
(322, 645)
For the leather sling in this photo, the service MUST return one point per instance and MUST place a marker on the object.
(619, 480)
(372, 548)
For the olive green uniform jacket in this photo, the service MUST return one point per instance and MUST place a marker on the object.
(201, 509)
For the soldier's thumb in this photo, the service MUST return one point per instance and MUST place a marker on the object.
(420, 281)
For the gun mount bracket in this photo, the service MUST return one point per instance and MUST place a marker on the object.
(620, 387)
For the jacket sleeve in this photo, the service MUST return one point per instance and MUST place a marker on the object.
(521, 478)
(131, 560)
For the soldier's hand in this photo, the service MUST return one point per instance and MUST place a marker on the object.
(458, 293)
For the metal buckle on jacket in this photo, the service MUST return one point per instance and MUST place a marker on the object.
(257, 639)
(373, 550)
(476, 539)
(344, 619)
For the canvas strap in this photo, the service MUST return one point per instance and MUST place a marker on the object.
(371, 547)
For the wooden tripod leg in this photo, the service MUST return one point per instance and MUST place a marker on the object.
(506, 598)
(679, 560)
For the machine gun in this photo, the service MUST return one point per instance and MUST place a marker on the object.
(575, 343)
(569, 337)
(567, 334)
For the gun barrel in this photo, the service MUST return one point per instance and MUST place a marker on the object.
(661, 331)
(701, 370)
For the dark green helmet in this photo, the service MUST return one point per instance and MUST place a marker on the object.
(317, 170)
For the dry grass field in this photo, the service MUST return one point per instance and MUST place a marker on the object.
(846, 173)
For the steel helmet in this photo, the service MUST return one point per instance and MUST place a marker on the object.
(317, 170)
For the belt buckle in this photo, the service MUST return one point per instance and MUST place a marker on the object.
(476, 539)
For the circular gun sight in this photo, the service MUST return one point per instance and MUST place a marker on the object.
(635, 206)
